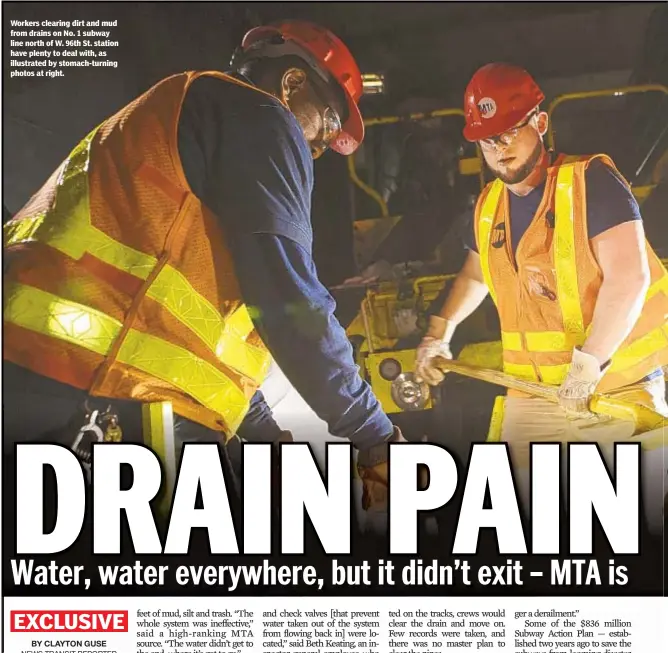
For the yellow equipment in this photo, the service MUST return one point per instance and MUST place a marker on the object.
(391, 313)
(387, 315)
(641, 193)
(381, 329)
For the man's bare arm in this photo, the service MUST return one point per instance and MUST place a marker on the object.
(622, 254)
(467, 293)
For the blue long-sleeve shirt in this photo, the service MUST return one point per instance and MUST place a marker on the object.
(245, 156)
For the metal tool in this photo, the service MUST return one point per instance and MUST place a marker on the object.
(98, 427)
(87, 435)
(408, 393)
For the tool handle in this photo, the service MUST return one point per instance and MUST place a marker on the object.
(644, 418)
(534, 388)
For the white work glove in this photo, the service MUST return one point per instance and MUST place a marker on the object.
(580, 383)
(435, 343)
(426, 351)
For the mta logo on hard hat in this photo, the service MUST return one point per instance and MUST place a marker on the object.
(487, 107)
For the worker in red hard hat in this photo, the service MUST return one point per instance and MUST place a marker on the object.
(170, 255)
(559, 244)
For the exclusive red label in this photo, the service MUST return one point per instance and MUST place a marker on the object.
(71, 621)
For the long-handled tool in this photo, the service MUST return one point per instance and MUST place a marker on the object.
(645, 419)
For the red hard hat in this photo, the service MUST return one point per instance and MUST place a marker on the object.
(498, 96)
(325, 52)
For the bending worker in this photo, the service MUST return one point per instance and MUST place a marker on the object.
(170, 255)
(558, 242)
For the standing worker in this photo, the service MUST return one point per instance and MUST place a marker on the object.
(559, 244)
(170, 255)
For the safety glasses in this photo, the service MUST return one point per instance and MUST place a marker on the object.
(331, 124)
(509, 136)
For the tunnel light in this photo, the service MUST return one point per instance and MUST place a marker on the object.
(373, 83)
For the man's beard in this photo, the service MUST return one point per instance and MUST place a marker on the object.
(523, 171)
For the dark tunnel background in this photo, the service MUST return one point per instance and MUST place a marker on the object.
(427, 52)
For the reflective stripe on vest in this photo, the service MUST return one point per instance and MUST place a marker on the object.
(487, 215)
(568, 294)
(540, 341)
(567, 282)
(42, 312)
(645, 346)
(549, 341)
(552, 374)
(564, 254)
(74, 236)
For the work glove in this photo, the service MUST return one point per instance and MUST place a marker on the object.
(372, 467)
(426, 351)
(285, 436)
(435, 343)
(580, 383)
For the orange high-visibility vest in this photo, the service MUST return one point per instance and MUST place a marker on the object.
(124, 285)
(547, 293)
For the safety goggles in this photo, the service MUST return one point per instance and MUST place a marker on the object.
(331, 125)
(507, 137)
